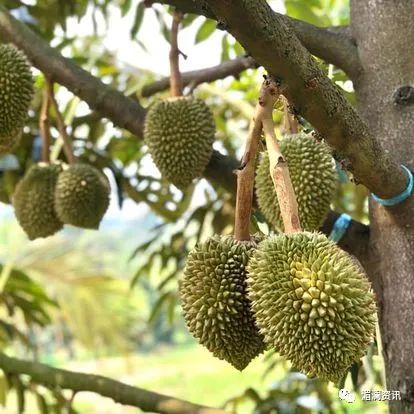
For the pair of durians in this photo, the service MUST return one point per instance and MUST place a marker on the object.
(298, 294)
(180, 132)
(51, 195)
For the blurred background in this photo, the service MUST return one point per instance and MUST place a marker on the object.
(106, 301)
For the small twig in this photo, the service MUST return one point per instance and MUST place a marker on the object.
(195, 77)
(290, 124)
(278, 166)
(245, 178)
(176, 81)
(67, 145)
(44, 125)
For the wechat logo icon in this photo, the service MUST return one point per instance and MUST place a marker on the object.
(346, 395)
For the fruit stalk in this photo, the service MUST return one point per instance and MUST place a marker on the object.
(44, 125)
(245, 178)
(290, 125)
(279, 170)
(67, 145)
(176, 84)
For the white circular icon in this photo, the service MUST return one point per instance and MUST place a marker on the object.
(346, 395)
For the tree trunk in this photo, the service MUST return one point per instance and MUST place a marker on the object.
(384, 32)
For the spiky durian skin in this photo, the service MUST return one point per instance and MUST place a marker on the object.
(82, 196)
(312, 302)
(16, 93)
(214, 300)
(33, 201)
(313, 178)
(179, 133)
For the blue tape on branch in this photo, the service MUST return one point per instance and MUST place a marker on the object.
(340, 227)
(400, 197)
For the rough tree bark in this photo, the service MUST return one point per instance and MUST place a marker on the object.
(384, 32)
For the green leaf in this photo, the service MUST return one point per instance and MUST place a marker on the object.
(125, 7)
(225, 48)
(304, 11)
(139, 16)
(205, 30)
(156, 310)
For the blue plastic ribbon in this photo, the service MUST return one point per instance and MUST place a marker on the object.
(340, 227)
(399, 198)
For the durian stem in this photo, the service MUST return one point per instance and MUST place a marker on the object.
(279, 172)
(67, 145)
(176, 84)
(44, 126)
(290, 125)
(245, 179)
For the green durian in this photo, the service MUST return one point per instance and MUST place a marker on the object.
(16, 93)
(82, 196)
(312, 302)
(33, 201)
(214, 301)
(179, 133)
(313, 176)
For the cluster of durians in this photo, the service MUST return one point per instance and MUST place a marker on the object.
(50, 194)
(298, 294)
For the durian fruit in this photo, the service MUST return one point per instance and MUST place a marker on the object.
(16, 93)
(33, 201)
(214, 301)
(313, 176)
(312, 302)
(179, 133)
(82, 196)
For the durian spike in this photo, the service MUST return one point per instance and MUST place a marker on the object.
(176, 83)
(279, 171)
(67, 145)
(246, 171)
(44, 125)
(289, 125)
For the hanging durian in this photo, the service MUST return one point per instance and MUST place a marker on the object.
(312, 302)
(16, 93)
(33, 201)
(313, 176)
(214, 300)
(82, 196)
(179, 133)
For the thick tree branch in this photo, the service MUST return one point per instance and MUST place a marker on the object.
(334, 45)
(195, 77)
(121, 110)
(147, 401)
(273, 44)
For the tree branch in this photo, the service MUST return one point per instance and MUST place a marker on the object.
(196, 77)
(147, 401)
(272, 43)
(121, 110)
(332, 44)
